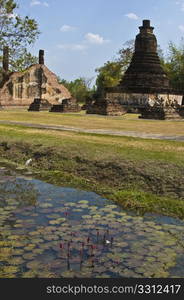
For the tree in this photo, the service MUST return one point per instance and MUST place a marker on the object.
(125, 55)
(79, 88)
(17, 33)
(22, 60)
(108, 76)
(174, 65)
(111, 73)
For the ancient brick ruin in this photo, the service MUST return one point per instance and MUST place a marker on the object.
(106, 106)
(67, 105)
(39, 105)
(37, 88)
(161, 110)
(143, 85)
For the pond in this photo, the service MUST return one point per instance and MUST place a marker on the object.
(48, 231)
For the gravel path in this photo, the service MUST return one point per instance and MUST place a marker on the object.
(99, 131)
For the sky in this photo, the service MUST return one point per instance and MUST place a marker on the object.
(79, 36)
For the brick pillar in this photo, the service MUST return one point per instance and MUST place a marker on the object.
(5, 59)
(41, 57)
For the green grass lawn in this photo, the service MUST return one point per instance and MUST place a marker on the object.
(128, 122)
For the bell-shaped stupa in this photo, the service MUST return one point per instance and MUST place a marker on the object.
(145, 71)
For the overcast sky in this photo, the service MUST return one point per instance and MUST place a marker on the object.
(79, 36)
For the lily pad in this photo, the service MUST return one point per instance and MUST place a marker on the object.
(35, 264)
(53, 216)
(11, 269)
(83, 201)
(29, 274)
(45, 205)
(16, 261)
(57, 221)
(38, 251)
(29, 256)
(86, 217)
(18, 251)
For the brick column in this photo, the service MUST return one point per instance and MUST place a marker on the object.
(41, 57)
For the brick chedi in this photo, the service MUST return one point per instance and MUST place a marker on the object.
(145, 72)
(144, 85)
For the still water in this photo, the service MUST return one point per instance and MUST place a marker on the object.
(48, 231)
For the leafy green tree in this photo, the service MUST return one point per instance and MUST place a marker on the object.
(17, 33)
(109, 75)
(174, 65)
(79, 88)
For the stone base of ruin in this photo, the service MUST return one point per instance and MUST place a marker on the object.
(110, 107)
(142, 98)
(39, 105)
(181, 111)
(161, 113)
(84, 107)
(68, 105)
(133, 110)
